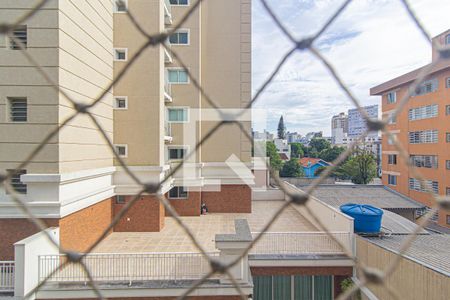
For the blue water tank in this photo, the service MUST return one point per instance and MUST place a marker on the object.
(367, 218)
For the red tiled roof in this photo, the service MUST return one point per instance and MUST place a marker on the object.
(305, 160)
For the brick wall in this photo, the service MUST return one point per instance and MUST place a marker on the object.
(146, 215)
(14, 230)
(81, 229)
(230, 199)
(187, 207)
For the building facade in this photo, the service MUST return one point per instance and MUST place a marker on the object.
(422, 128)
(357, 124)
(339, 128)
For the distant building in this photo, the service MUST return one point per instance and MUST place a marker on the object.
(423, 128)
(310, 165)
(263, 136)
(357, 124)
(339, 128)
(372, 144)
(293, 137)
(284, 149)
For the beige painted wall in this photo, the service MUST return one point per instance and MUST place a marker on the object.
(410, 280)
(141, 126)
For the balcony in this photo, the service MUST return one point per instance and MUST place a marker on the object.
(168, 59)
(167, 88)
(167, 13)
(168, 132)
(7, 276)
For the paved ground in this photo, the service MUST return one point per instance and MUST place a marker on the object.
(173, 239)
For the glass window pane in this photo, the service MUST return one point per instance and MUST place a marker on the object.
(173, 39)
(302, 287)
(323, 288)
(182, 76)
(282, 287)
(183, 37)
(262, 289)
(173, 76)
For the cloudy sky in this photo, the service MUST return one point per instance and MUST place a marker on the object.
(371, 42)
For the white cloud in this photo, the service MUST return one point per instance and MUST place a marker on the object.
(371, 42)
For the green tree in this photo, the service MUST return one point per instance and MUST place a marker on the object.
(297, 150)
(319, 144)
(361, 168)
(292, 169)
(281, 129)
(272, 153)
(330, 154)
(319, 170)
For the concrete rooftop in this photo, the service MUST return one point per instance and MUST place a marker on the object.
(173, 238)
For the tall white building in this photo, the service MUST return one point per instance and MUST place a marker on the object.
(356, 123)
(339, 128)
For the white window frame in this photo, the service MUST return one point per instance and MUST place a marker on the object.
(389, 101)
(188, 3)
(392, 159)
(391, 179)
(121, 145)
(171, 147)
(423, 112)
(125, 2)
(179, 198)
(179, 107)
(183, 30)
(120, 98)
(11, 43)
(178, 69)
(125, 50)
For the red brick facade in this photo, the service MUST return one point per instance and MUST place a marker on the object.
(146, 215)
(230, 199)
(14, 230)
(81, 229)
(187, 207)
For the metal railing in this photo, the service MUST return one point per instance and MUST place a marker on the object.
(7, 269)
(298, 243)
(167, 12)
(167, 87)
(131, 267)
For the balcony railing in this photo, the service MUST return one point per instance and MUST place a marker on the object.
(7, 269)
(298, 243)
(167, 12)
(127, 267)
(168, 132)
(167, 87)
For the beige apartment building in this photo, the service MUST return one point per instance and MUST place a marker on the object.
(423, 129)
(155, 115)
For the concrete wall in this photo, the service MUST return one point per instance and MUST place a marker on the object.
(27, 253)
(410, 280)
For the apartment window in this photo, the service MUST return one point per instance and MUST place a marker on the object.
(427, 87)
(180, 37)
(424, 161)
(178, 114)
(447, 137)
(416, 185)
(391, 139)
(19, 34)
(177, 153)
(121, 150)
(423, 112)
(120, 102)
(392, 159)
(120, 199)
(447, 191)
(447, 110)
(423, 137)
(392, 119)
(178, 192)
(16, 183)
(447, 164)
(448, 219)
(392, 179)
(121, 6)
(391, 97)
(178, 76)
(18, 109)
(120, 54)
(447, 39)
(447, 82)
(179, 2)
